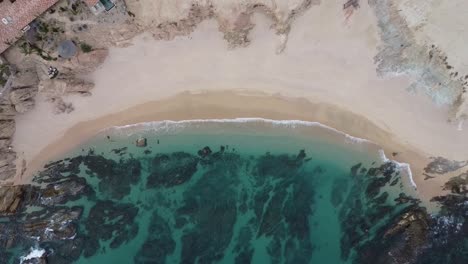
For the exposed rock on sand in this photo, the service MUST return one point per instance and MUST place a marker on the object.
(7, 164)
(23, 98)
(24, 89)
(10, 199)
(426, 64)
(86, 62)
(65, 86)
(7, 111)
(168, 19)
(7, 128)
(440, 165)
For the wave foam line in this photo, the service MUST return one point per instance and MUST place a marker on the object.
(284, 123)
(287, 123)
(402, 166)
(34, 254)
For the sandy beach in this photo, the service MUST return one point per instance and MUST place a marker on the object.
(197, 77)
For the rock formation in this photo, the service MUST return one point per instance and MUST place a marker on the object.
(85, 62)
(168, 19)
(7, 129)
(10, 199)
(24, 89)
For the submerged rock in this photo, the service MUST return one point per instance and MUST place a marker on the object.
(72, 188)
(404, 240)
(205, 152)
(141, 142)
(158, 244)
(115, 178)
(53, 224)
(171, 170)
(110, 221)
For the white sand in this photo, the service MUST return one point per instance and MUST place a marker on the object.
(326, 61)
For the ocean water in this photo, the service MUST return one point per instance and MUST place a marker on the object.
(219, 191)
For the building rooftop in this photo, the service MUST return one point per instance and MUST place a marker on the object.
(91, 2)
(16, 16)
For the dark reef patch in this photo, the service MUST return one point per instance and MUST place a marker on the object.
(158, 244)
(208, 206)
(168, 170)
(115, 178)
(110, 221)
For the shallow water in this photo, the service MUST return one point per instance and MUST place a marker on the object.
(222, 192)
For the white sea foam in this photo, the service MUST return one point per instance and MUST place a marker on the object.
(34, 253)
(402, 166)
(169, 125)
(382, 156)
(407, 168)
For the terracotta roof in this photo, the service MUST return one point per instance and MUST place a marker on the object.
(91, 2)
(21, 13)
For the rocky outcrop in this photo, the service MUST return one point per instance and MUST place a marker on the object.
(7, 164)
(23, 99)
(7, 157)
(141, 142)
(169, 19)
(65, 86)
(56, 89)
(24, 89)
(441, 165)
(401, 53)
(27, 77)
(10, 199)
(7, 111)
(86, 62)
(7, 128)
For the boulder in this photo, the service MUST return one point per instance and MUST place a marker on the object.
(24, 106)
(65, 86)
(7, 128)
(17, 96)
(26, 78)
(10, 199)
(141, 142)
(5, 143)
(55, 225)
(7, 111)
(87, 62)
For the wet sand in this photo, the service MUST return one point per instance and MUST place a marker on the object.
(235, 104)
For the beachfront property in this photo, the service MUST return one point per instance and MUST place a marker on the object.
(99, 6)
(16, 16)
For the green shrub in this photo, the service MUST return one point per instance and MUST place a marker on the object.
(86, 47)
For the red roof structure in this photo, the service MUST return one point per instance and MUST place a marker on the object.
(16, 16)
(91, 2)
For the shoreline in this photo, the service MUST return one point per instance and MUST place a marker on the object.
(313, 79)
(224, 105)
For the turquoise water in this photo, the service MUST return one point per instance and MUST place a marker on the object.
(225, 192)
